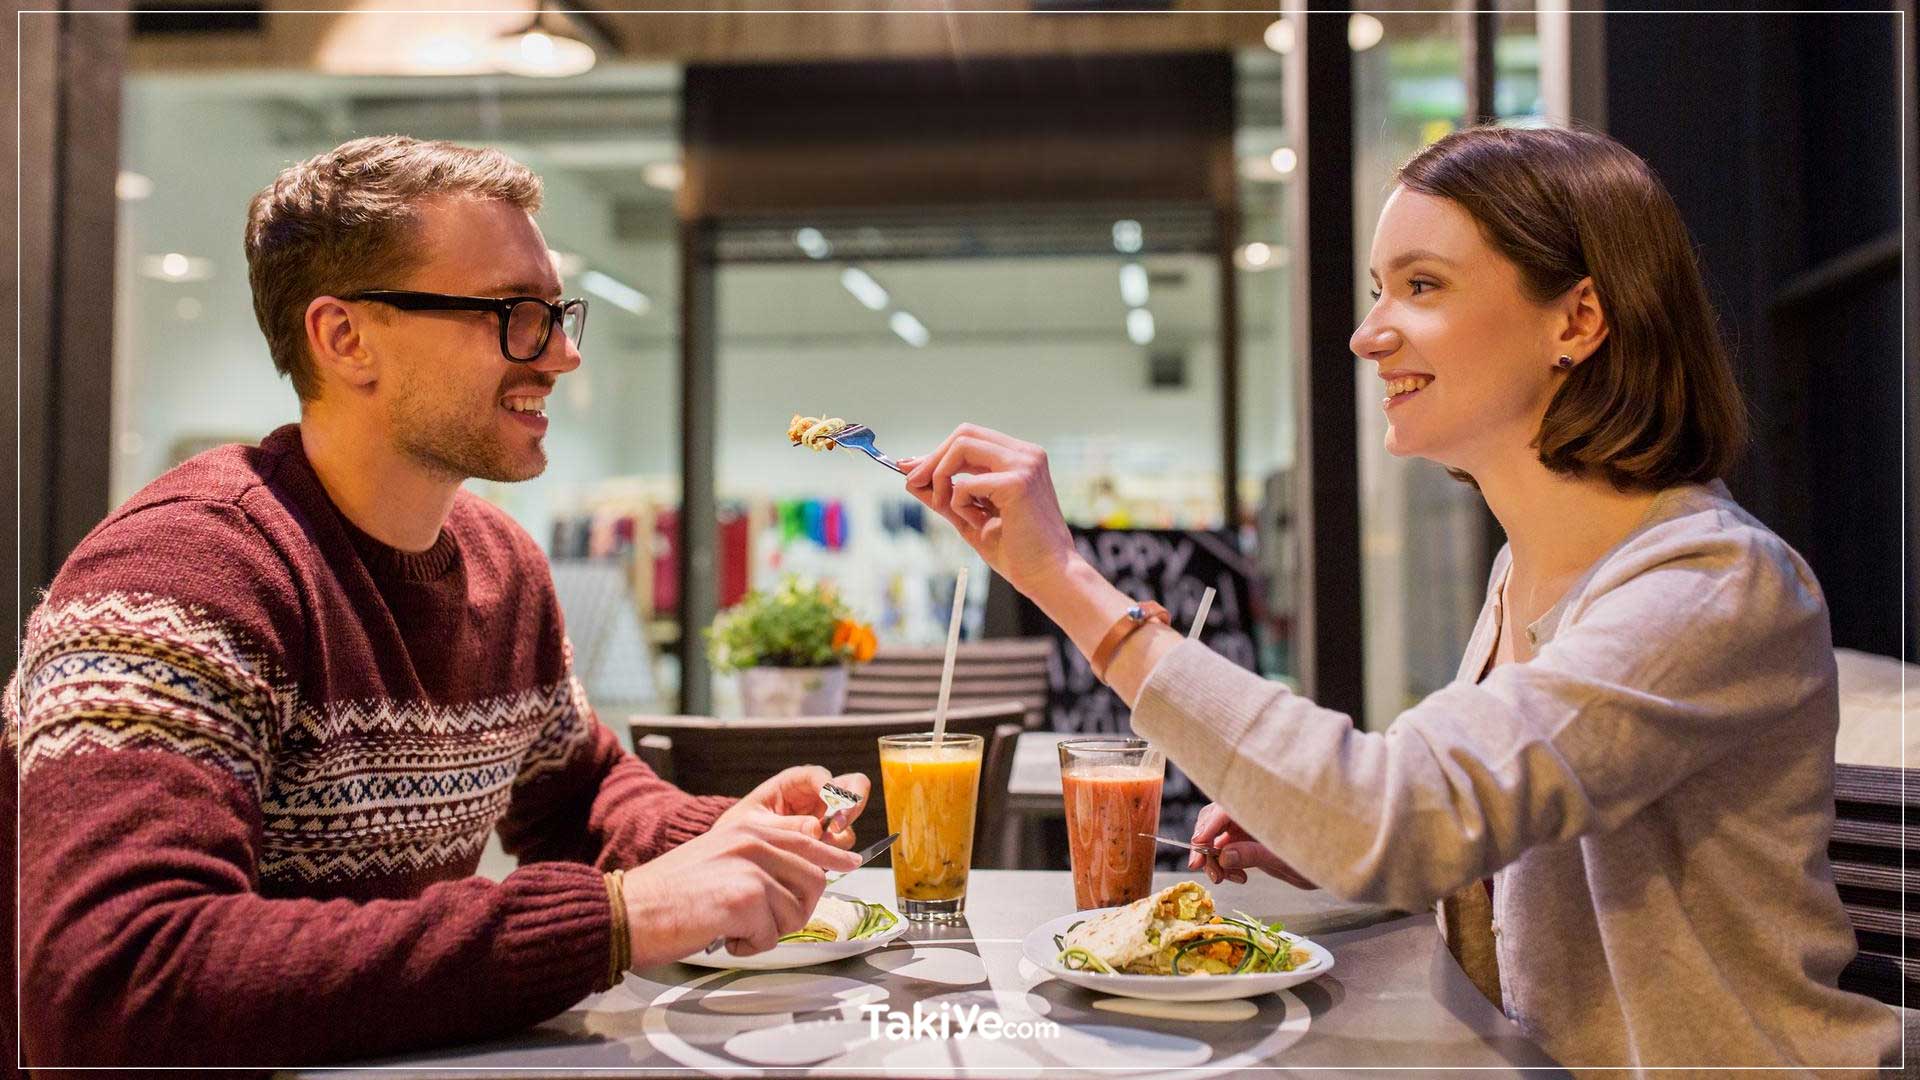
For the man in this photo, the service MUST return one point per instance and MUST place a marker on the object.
(272, 707)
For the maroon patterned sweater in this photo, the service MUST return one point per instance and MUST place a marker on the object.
(260, 754)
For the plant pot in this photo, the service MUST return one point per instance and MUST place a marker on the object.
(805, 691)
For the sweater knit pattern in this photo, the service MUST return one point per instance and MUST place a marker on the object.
(350, 788)
(259, 754)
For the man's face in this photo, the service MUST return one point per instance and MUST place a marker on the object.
(445, 388)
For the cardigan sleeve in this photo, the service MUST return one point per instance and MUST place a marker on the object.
(1677, 652)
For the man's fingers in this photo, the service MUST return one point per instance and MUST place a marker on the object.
(797, 843)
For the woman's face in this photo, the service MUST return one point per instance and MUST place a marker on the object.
(1465, 357)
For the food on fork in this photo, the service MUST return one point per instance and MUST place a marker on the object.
(815, 432)
(1176, 932)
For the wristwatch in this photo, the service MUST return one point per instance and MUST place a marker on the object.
(1131, 620)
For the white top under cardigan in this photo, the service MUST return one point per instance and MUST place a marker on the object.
(1652, 792)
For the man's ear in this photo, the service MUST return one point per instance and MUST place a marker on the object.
(1586, 321)
(338, 346)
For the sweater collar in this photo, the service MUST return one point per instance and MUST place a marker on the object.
(382, 560)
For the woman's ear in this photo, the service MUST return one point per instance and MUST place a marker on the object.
(1585, 327)
(337, 344)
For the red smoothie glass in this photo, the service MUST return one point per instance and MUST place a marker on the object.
(1112, 791)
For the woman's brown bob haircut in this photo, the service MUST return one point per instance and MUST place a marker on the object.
(1656, 405)
(343, 222)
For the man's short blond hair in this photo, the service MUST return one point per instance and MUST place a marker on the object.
(344, 221)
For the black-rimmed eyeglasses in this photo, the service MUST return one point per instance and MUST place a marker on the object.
(526, 322)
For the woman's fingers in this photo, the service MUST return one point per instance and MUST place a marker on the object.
(973, 456)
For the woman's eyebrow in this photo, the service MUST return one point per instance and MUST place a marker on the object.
(1418, 255)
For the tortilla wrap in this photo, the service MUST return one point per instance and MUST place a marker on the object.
(1124, 935)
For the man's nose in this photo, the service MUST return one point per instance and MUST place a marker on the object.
(560, 356)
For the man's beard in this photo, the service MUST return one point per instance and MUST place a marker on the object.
(429, 429)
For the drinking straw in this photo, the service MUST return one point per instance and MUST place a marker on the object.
(1200, 617)
(946, 671)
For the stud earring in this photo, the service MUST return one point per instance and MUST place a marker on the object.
(1563, 363)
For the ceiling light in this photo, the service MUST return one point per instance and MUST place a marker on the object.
(1364, 32)
(1284, 160)
(445, 54)
(131, 186)
(911, 330)
(173, 266)
(1140, 326)
(1258, 256)
(566, 263)
(618, 293)
(864, 289)
(1133, 284)
(1279, 36)
(665, 175)
(551, 45)
(813, 242)
(1128, 236)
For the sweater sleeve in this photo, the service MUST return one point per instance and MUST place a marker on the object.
(146, 711)
(582, 797)
(1681, 653)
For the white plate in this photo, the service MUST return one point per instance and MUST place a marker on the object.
(1041, 952)
(798, 954)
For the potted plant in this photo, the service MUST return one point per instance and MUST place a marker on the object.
(792, 647)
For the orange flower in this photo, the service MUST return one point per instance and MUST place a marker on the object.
(855, 639)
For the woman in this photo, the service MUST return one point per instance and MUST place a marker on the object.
(1639, 747)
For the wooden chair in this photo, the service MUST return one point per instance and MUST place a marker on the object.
(708, 756)
(900, 679)
(1871, 804)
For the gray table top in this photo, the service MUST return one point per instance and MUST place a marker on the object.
(1395, 999)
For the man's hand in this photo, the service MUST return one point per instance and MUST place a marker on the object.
(1238, 851)
(748, 881)
(793, 795)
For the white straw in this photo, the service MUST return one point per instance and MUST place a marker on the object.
(953, 643)
(1200, 617)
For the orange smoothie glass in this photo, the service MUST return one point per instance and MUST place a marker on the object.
(1112, 791)
(931, 794)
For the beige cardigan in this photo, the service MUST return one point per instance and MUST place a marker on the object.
(1652, 792)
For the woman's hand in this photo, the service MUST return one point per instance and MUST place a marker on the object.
(997, 492)
(1238, 851)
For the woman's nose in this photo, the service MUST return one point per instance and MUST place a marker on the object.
(1372, 341)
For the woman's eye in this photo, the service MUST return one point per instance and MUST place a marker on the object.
(1419, 286)
(1375, 293)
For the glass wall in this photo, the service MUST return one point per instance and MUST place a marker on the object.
(191, 369)
(1092, 334)
(1264, 262)
(1423, 534)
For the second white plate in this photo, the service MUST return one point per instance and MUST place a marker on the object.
(1041, 952)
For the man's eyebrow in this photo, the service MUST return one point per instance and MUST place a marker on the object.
(519, 288)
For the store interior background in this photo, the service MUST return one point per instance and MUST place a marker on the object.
(1045, 343)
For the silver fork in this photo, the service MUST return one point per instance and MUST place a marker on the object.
(860, 437)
